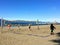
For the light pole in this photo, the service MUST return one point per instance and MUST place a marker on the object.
(1, 24)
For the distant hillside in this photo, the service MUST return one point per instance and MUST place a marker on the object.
(22, 22)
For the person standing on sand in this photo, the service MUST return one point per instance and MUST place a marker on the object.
(19, 27)
(9, 26)
(52, 29)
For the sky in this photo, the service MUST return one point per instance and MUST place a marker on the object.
(43, 10)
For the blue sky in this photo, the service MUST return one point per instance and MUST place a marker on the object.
(44, 10)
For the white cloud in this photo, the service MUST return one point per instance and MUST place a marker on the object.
(53, 19)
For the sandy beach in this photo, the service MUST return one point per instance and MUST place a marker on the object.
(23, 36)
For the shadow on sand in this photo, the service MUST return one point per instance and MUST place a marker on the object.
(36, 35)
(58, 39)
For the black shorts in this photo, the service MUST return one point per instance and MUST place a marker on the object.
(52, 30)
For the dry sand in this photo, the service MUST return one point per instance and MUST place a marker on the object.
(24, 36)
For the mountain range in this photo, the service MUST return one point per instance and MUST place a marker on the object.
(23, 22)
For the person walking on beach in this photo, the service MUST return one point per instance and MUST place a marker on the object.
(52, 29)
(30, 26)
